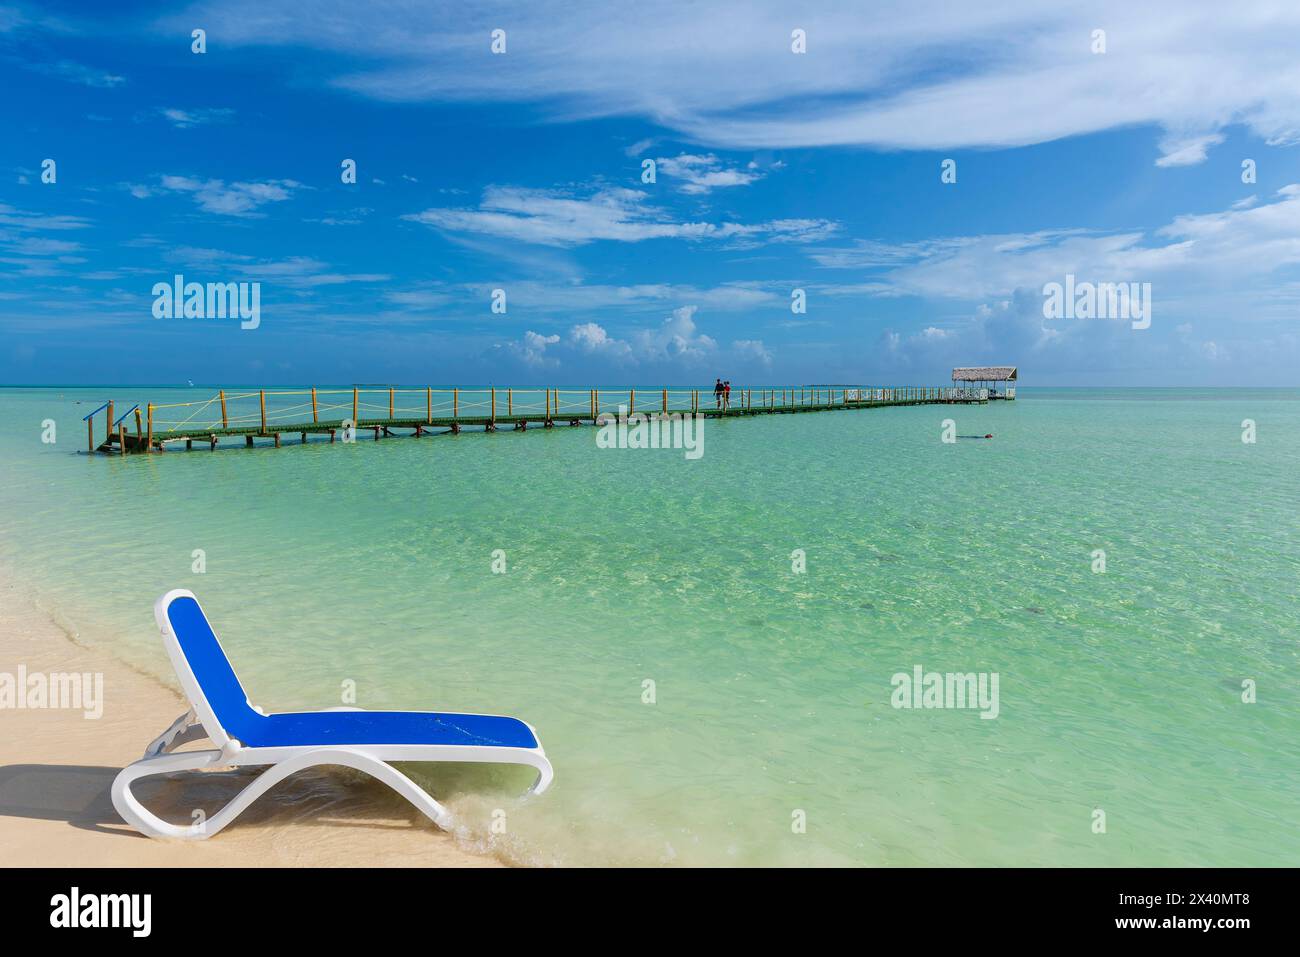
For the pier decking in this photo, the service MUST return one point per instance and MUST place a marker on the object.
(251, 415)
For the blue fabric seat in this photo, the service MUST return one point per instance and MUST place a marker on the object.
(229, 703)
(387, 727)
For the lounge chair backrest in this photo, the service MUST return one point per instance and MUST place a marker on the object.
(201, 665)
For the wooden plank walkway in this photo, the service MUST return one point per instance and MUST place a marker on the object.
(332, 412)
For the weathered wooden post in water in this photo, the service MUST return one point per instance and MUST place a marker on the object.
(428, 403)
(390, 402)
(355, 395)
(455, 403)
(225, 424)
(149, 446)
(315, 415)
(108, 423)
(262, 399)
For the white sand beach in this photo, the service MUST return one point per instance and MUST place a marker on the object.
(56, 768)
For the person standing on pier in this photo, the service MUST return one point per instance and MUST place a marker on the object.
(717, 393)
(726, 394)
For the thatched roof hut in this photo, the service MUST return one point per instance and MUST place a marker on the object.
(1000, 381)
(984, 374)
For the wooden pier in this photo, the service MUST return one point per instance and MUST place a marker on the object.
(342, 414)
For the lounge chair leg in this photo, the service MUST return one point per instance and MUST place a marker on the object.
(148, 823)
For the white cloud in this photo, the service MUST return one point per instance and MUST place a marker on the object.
(1187, 151)
(532, 350)
(676, 342)
(676, 339)
(999, 73)
(752, 350)
(704, 173)
(1201, 251)
(186, 119)
(554, 218)
(639, 147)
(294, 272)
(227, 199)
(590, 337)
(20, 219)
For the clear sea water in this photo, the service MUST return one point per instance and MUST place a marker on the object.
(1119, 692)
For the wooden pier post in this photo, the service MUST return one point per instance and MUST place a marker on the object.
(248, 441)
(631, 401)
(137, 426)
(225, 424)
(494, 405)
(355, 421)
(262, 397)
(390, 402)
(108, 423)
(510, 403)
(277, 440)
(149, 447)
(121, 438)
(455, 403)
(90, 434)
(315, 414)
(665, 401)
(428, 396)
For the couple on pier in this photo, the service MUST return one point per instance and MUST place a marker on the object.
(722, 394)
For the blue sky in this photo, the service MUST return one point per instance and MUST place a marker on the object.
(522, 171)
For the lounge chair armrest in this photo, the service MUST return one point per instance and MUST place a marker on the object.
(183, 730)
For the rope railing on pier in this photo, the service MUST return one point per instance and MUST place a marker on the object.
(263, 409)
(271, 412)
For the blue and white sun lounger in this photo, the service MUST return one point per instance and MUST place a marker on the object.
(245, 735)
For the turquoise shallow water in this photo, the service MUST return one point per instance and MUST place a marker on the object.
(1118, 691)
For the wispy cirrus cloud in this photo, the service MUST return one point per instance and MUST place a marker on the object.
(188, 119)
(79, 73)
(295, 272)
(995, 74)
(556, 218)
(217, 196)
